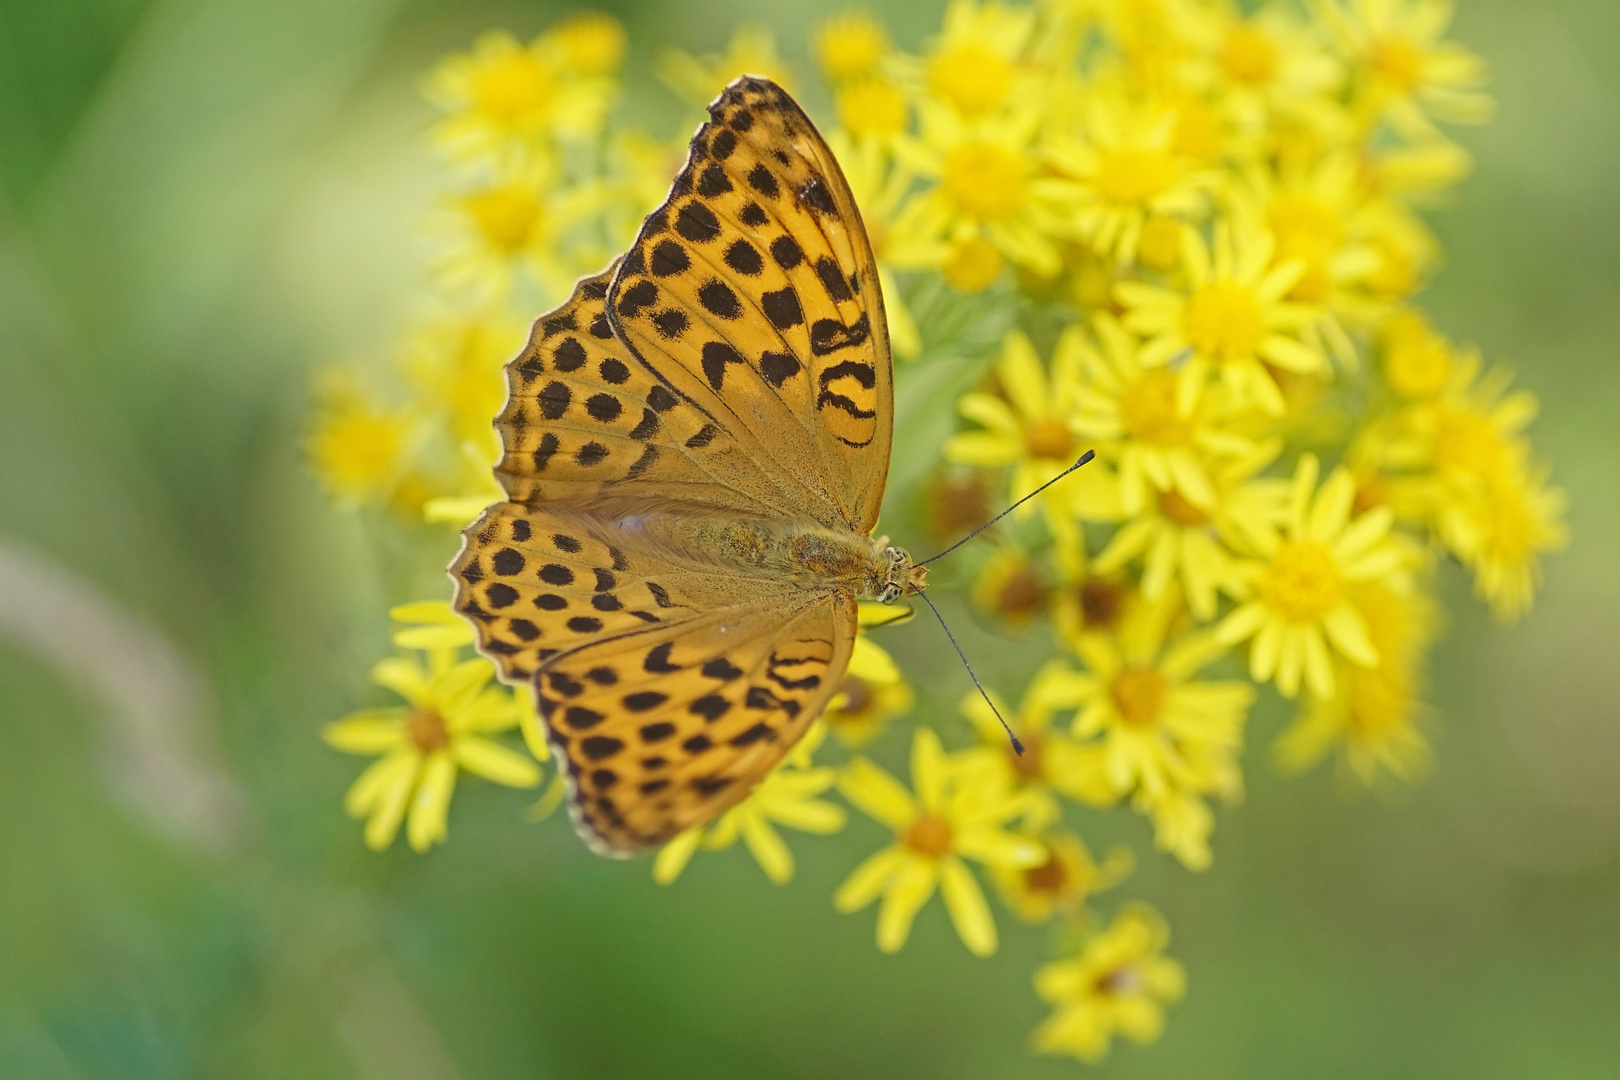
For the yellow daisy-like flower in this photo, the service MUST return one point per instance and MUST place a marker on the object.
(1032, 427)
(1259, 66)
(1127, 172)
(1407, 72)
(975, 65)
(1232, 318)
(1501, 530)
(1119, 983)
(1372, 721)
(455, 363)
(787, 796)
(509, 225)
(954, 814)
(850, 46)
(504, 97)
(1178, 539)
(1164, 736)
(356, 448)
(986, 185)
(1011, 589)
(751, 51)
(873, 691)
(1064, 882)
(452, 710)
(1300, 612)
(1129, 409)
(1051, 761)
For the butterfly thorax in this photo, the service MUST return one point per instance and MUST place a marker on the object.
(810, 556)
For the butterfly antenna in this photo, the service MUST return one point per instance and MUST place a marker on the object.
(1085, 457)
(1018, 746)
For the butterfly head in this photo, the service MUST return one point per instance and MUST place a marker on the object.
(902, 576)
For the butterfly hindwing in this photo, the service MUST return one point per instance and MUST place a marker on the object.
(755, 282)
(664, 729)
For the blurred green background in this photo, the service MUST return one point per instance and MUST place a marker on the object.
(200, 200)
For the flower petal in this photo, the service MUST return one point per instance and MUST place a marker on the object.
(877, 794)
(430, 807)
(493, 761)
(868, 880)
(965, 903)
(768, 849)
(913, 884)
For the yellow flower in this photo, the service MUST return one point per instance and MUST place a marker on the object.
(955, 814)
(1232, 318)
(511, 224)
(1127, 171)
(1120, 982)
(873, 108)
(1051, 761)
(1372, 719)
(974, 66)
(1177, 538)
(850, 46)
(504, 97)
(1011, 589)
(1500, 530)
(451, 712)
(356, 448)
(1406, 72)
(873, 691)
(787, 796)
(1128, 409)
(456, 365)
(1267, 71)
(1062, 884)
(1164, 736)
(987, 185)
(1417, 359)
(1032, 427)
(751, 51)
(1300, 606)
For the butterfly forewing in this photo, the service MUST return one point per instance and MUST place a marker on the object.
(755, 280)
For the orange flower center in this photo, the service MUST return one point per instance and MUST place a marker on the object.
(1147, 408)
(1050, 877)
(1134, 176)
(1302, 582)
(1177, 509)
(971, 77)
(1028, 764)
(929, 835)
(974, 265)
(1050, 438)
(427, 731)
(1138, 693)
(1101, 603)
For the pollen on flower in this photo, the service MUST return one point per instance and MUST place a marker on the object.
(986, 181)
(1468, 444)
(1301, 582)
(1224, 321)
(1417, 359)
(929, 835)
(1397, 61)
(849, 46)
(1147, 409)
(1138, 693)
(1248, 55)
(591, 42)
(1307, 230)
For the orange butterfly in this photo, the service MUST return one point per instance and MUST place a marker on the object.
(695, 449)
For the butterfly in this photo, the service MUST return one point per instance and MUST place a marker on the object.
(694, 451)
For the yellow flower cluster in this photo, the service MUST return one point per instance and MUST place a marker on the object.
(1182, 233)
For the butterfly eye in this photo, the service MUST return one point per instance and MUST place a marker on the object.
(890, 593)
